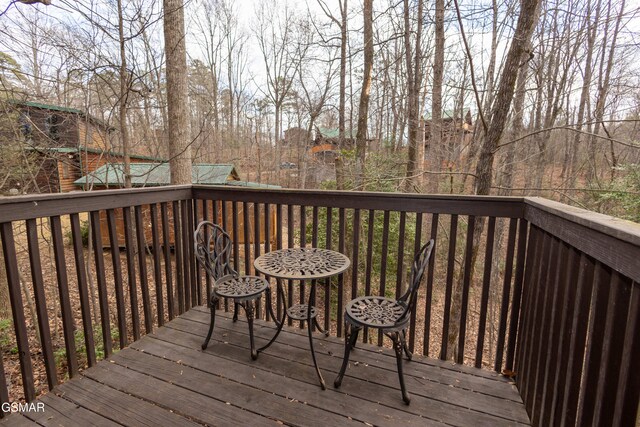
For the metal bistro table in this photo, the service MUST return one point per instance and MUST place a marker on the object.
(303, 264)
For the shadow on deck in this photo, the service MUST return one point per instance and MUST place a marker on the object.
(165, 379)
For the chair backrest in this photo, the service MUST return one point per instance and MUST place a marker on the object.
(213, 249)
(417, 272)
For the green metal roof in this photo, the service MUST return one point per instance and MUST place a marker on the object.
(250, 184)
(155, 174)
(61, 109)
(66, 150)
(48, 107)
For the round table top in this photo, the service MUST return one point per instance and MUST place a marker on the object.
(302, 263)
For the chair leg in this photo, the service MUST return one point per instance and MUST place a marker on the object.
(398, 347)
(235, 311)
(214, 304)
(249, 310)
(350, 338)
(403, 337)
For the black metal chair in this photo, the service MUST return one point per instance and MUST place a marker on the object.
(213, 252)
(390, 315)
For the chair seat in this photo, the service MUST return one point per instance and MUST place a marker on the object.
(240, 287)
(375, 312)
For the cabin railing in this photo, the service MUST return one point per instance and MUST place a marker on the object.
(542, 291)
(579, 332)
(103, 299)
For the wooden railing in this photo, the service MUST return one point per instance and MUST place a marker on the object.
(529, 286)
(579, 334)
(51, 226)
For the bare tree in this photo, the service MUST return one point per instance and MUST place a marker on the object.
(414, 80)
(363, 109)
(177, 98)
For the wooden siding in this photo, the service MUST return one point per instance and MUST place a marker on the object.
(89, 135)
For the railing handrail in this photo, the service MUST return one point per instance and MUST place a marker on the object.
(508, 207)
(17, 208)
(613, 241)
(622, 229)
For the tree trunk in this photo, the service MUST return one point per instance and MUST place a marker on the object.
(484, 173)
(122, 101)
(177, 95)
(436, 99)
(363, 110)
(413, 95)
(343, 89)
(524, 29)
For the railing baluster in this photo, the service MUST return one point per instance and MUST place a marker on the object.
(550, 347)
(290, 244)
(534, 254)
(453, 237)
(225, 227)
(356, 250)
(166, 251)
(466, 284)
(400, 258)
(537, 301)
(81, 274)
(63, 293)
(236, 236)
(177, 244)
(569, 286)
(569, 405)
(267, 248)
(117, 278)
(506, 290)
(327, 281)
(279, 302)
(256, 248)
(429, 292)
(196, 298)
(131, 271)
(595, 341)
(41, 303)
(103, 300)
(342, 227)
(369, 267)
(142, 267)
(303, 243)
(517, 294)
(484, 298)
(628, 393)
(196, 271)
(17, 309)
(246, 238)
(187, 246)
(383, 262)
(157, 265)
(314, 243)
(417, 242)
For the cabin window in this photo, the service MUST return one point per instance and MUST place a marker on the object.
(66, 170)
(52, 126)
(25, 125)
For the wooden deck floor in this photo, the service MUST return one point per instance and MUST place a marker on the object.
(165, 379)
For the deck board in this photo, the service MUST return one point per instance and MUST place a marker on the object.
(165, 379)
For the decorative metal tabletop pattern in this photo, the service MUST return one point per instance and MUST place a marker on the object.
(379, 312)
(302, 263)
(240, 286)
(299, 312)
